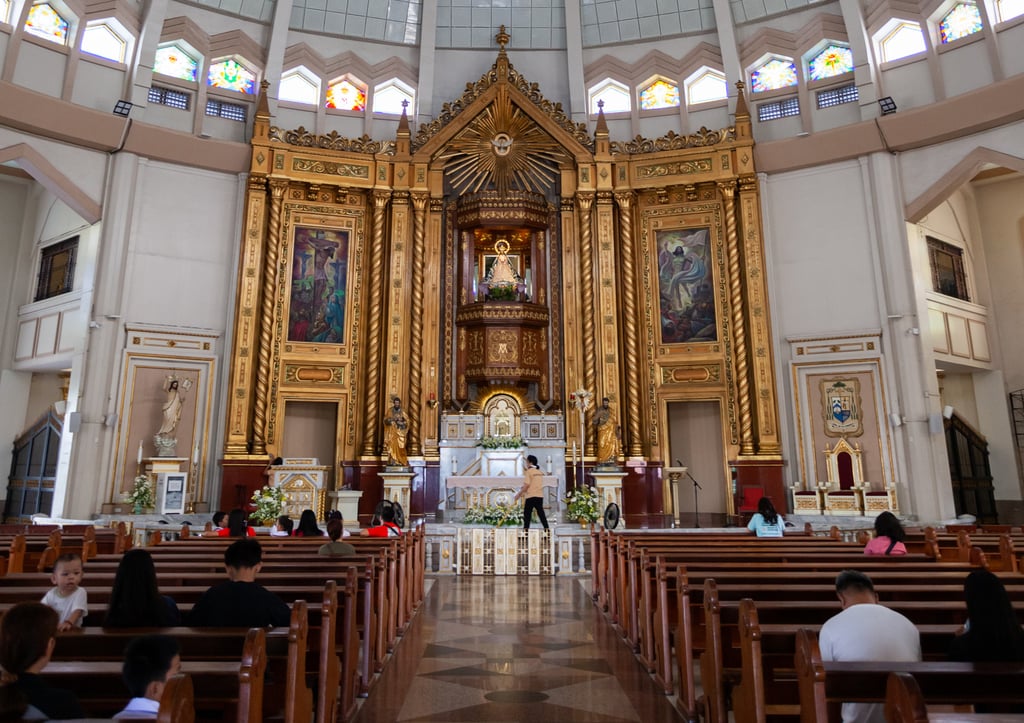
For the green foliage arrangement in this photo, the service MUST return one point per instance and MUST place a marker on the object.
(268, 502)
(583, 505)
(141, 494)
(501, 442)
(502, 292)
(496, 515)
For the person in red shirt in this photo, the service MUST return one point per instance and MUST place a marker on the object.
(237, 526)
(387, 528)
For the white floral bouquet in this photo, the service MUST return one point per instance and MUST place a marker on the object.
(583, 505)
(267, 501)
(141, 494)
(497, 515)
(501, 442)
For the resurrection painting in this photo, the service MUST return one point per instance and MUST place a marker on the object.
(319, 269)
(685, 286)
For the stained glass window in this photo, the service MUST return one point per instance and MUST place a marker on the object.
(1007, 9)
(298, 87)
(776, 73)
(44, 22)
(102, 40)
(388, 97)
(833, 60)
(173, 61)
(346, 95)
(659, 94)
(900, 39)
(961, 21)
(708, 85)
(615, 95)
(231, 75)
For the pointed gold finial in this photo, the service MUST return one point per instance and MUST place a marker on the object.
(502, 37)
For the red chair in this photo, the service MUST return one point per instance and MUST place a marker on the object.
(750, 497)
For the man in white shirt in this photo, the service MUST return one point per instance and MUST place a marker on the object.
(149, 662)
(865, 630)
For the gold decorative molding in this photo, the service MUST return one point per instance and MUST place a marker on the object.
(331, 141)
(672, 141)
(330, 168)
(676, 168)
(701, 374)
(311, 374)
(502, 69)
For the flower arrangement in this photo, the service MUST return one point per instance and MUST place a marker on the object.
(268, 501)
(141, 494)
(501, 442)
(497, 515)
(502, 292)
(583, 505)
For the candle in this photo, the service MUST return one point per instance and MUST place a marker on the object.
(455, 465)
(139, 458)
(549, 464)
(574, 453)
(195, 455)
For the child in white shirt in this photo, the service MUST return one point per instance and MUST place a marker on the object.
(67, 598)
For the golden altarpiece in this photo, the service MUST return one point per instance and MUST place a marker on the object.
(501, 252)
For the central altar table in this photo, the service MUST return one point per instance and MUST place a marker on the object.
(468, 491)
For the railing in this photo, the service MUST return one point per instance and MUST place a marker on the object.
(470, 550)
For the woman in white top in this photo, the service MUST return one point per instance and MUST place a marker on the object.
(766, 522)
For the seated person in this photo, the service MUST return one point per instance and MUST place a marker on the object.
(68, 598)
(283, 527)
(307, 525)
(336, 515)
(334, 530)
(766, 522)
(28, 633)
(237, 526)
(219, 522)
(149, 662)
(889, 536)
(387, 526)
(241, 601)
(135, 599)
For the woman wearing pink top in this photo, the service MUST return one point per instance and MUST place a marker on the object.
(889, 536)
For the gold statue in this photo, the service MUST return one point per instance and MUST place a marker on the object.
(395, 428)
(607, 427)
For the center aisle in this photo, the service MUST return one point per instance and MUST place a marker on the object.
(513, 649)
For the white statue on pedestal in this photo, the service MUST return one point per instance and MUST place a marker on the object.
(164, 440)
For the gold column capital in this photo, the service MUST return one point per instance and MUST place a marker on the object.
(727, 188)
(585, 200)
(381, 198)
(625, 199)
(419, 201)
(277, 187)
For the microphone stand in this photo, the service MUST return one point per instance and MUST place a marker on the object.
(696, 486)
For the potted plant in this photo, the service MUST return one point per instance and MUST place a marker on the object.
(583, 505)
(141, 494)
(267, 502)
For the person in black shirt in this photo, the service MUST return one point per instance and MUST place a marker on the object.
(27, 636)
(241, 601)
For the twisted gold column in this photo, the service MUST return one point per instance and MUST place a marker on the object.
(585, 202)
(371, 422)
(633, 428)
(263, 368)
(739, 327)
(419, 204)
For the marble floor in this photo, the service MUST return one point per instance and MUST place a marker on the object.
(513, 649)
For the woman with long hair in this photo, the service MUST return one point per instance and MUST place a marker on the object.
(27, 635)
(237, 526)
(135, 599)
(766, 522)
(307, 525)
(992, 631)
(889, 536)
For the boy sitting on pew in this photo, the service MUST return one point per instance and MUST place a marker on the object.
(241, 601)
(149, 662)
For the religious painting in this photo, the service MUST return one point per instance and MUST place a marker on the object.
(319, 272)
(685, 286)
(840, 401)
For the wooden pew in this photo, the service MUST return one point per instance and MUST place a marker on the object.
(823, 685)
(904, 703)
(217, 685)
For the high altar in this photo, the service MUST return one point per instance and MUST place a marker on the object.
(487, 267)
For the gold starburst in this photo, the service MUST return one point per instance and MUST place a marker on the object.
(505, 149)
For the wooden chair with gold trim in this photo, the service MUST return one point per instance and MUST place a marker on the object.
(844, 491)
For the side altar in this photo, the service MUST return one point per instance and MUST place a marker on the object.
(303, 480)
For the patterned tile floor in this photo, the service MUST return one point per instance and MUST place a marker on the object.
(513, 649)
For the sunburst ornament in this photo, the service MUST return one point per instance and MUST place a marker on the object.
(504, 149)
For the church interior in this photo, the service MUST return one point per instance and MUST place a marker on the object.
(685, 253)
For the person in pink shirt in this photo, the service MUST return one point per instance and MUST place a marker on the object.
(889, 536)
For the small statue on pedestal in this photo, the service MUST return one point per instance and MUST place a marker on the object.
(164, 440)
(395, 431)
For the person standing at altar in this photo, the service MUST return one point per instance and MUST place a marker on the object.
(533, 492)
(395, 426)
